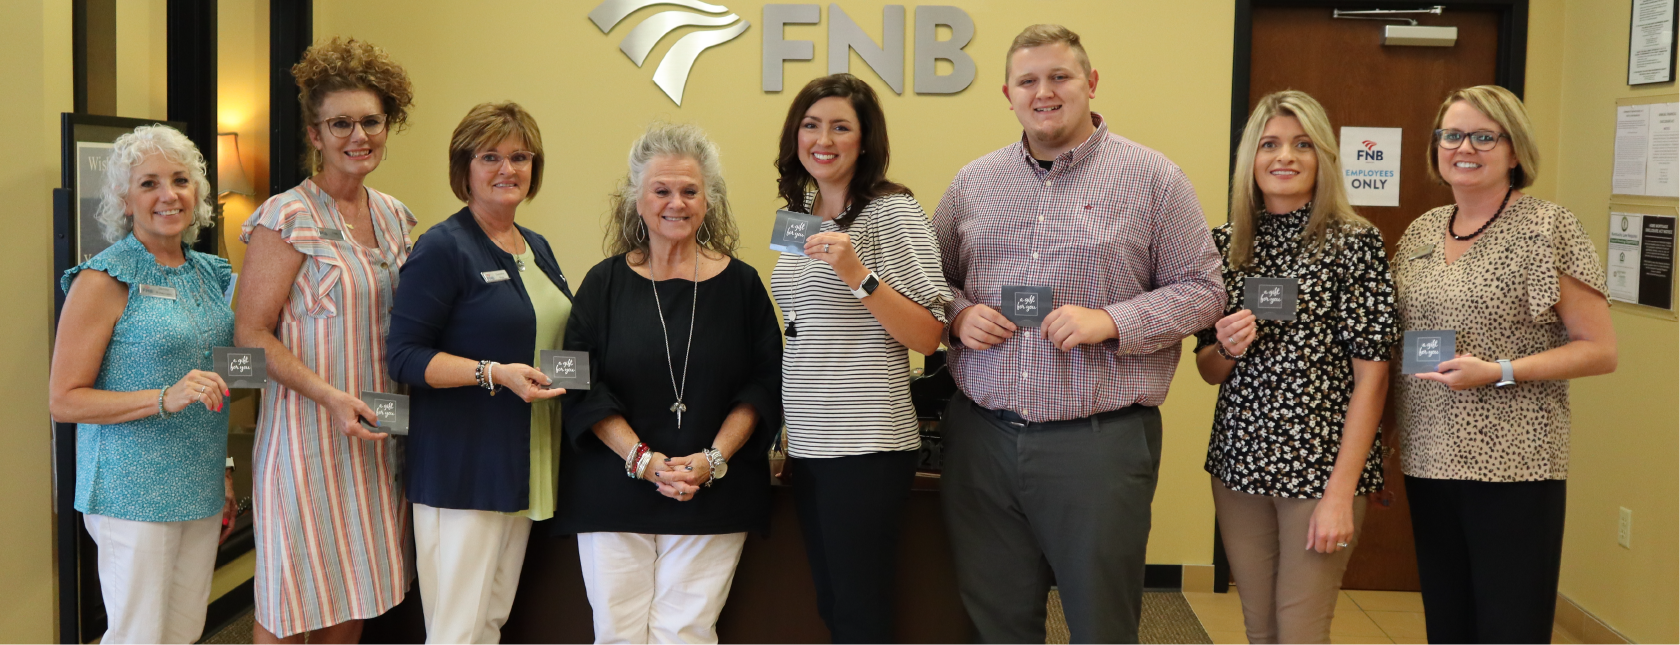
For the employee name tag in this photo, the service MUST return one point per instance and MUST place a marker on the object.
(332, 235)
(1423, 253)
(152, 291)
(494, 276)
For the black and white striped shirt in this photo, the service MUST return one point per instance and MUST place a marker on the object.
(845, 380)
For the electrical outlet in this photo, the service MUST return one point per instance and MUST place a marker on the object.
(1624, 529)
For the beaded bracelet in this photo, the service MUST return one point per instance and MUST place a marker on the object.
(1220, 347)
(478, 374)
(637, 452)
(162, 413)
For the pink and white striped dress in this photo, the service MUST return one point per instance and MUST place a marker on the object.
(330, 514)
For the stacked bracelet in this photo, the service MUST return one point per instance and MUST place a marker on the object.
(486, 375)
(636, 461)
(162, 413)
(1220, 347)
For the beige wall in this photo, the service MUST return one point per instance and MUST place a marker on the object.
(35, 48)
(143, 59)
(242, 107)
(1626, 432)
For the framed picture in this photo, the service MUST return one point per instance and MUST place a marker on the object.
(1651, 35)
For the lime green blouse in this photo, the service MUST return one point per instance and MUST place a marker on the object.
(552, 309)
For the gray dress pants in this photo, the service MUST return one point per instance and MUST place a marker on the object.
(1064, 503)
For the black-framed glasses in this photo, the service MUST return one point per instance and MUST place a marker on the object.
(1483, 140)
(520, 159)
(343, 126)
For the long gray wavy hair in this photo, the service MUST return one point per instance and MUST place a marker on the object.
(129, 151)
(626, 232)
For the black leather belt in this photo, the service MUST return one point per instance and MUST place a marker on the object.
(1012, 418)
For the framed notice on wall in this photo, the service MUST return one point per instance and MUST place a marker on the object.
(1651, 35)
(1639, 263)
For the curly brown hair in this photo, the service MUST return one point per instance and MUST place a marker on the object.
(338, 65)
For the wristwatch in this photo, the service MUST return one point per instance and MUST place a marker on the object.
(1507, 375)
(720, 466)
(870, 284)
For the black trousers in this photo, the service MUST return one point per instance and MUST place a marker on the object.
(1488, 556)
(851, 510)
(1064, 502)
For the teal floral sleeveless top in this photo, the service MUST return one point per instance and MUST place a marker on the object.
(154, 469)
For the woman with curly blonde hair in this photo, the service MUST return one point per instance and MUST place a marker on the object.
(320, 279)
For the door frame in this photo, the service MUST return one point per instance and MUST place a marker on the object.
(1510, 72)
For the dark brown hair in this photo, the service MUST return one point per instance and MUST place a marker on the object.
(869, 178)
(338, 65)
(486, 126)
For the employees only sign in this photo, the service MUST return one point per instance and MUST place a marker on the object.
(1371, 165)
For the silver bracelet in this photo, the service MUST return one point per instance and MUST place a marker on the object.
(162, 413)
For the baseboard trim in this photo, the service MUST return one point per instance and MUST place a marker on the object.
(1582, 625)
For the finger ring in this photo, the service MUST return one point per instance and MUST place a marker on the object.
(1342, 544)
(200, 389)
(825, 248)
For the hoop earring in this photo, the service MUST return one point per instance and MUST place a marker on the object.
(708, 240)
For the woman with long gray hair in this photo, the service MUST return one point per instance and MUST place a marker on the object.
(687, 361)
(131, 368)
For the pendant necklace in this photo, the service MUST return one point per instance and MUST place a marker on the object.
(1453, 219)
(677, 407)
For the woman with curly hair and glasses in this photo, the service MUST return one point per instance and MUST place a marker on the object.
(320, 279)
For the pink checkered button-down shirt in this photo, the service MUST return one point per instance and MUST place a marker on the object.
(1112, 225)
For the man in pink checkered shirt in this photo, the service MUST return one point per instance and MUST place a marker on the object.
(1051, 448)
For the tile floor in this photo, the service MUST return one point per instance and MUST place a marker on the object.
(1361, 617)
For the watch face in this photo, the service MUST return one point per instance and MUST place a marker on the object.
(870, 284)
(721, 469)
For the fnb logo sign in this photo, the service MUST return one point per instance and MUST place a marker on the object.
(1370, 152)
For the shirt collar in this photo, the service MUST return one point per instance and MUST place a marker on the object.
(1077, 154)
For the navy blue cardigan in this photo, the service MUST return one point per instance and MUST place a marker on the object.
(466, 449)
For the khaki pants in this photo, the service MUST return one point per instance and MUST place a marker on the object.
(1288, 591)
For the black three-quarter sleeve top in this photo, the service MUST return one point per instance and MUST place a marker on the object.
(736, 358)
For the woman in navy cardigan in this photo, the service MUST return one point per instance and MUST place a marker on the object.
(478, 298)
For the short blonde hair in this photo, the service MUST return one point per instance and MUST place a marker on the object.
(626, 232)
(1330, 206)
(486, 126)
(131, 150)
(1046, 34)
(1507, 110)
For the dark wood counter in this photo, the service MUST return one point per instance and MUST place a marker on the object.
(772, 599)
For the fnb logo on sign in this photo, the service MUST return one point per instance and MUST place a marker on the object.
(1370, 153)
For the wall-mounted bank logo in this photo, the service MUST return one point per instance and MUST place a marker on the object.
(672, 73)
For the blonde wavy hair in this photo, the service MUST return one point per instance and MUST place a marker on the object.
(626, 232)
(339, 65)
(130, 150)
(1330, 207)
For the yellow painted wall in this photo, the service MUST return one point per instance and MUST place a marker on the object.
(592, 102)
(1626, 431)
(35, 48)
(143, 59)
(242, 108)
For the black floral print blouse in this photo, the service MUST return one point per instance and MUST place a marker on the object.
(1278, 425)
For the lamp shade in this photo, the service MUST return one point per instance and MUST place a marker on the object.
(230, 170)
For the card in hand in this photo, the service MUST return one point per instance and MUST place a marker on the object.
(791, 229)
(1270, 298)
(565, 369)
(1425, 350)
(241, 367)
(391, 409)
(1027, 306)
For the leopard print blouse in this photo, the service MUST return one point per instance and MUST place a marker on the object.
(1498, 296)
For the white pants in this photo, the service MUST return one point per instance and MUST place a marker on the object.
(658, 588)
(155, 577)
(469, 563)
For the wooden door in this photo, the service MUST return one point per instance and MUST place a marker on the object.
(1363, 83)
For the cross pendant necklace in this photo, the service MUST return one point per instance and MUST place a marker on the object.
(679, 407)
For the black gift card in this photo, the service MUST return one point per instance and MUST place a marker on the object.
(791, 229)
(241, 367)
(391, 409)
(1027, 306)
(565, 369)
(1425, 350)
(1270, 298)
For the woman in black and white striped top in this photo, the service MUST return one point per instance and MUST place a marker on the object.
(869, 287)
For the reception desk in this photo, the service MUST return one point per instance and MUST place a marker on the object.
(772, 600)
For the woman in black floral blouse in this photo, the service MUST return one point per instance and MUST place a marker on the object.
(1293, 449)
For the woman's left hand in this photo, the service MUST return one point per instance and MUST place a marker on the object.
(835, 248)
(693, 470)
(1464, 372)
(1331, 525)
(230, 508)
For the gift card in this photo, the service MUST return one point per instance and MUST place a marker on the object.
(565, 369)
(1425, 350)
(1270, 298)
(241, 367)
(1027, 306)
(791, 229)
(391, 409)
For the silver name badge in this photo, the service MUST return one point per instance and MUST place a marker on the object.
(494, 276)
(1424, 253)
(152, 291)
(332, 235)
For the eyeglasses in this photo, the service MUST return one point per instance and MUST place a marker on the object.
(1483, 140)
(520, 159)
(343, 126)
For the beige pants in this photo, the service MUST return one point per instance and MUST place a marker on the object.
(1288, 591)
